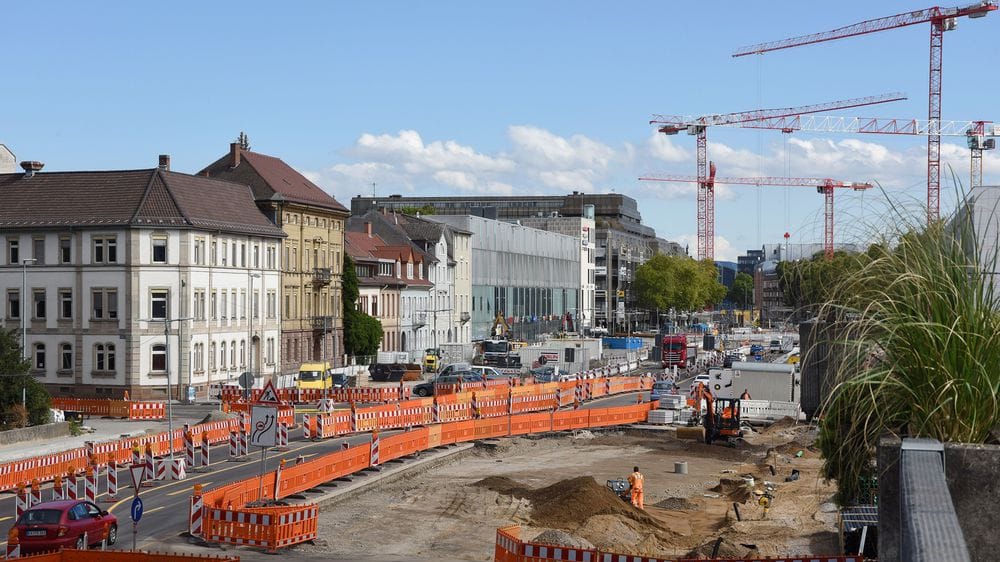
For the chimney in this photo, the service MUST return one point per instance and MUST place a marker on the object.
(165, 162)
(368, 229)
(234, 154)
(31, 167)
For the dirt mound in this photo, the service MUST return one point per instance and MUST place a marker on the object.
(779, 425)
(216, 415)
(733, 488)
(726, 549)
(676, 504)
(504, 485)
(561, 538)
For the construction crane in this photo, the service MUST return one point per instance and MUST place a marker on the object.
(941, 20)
(979, 135)
(822, 185)
(673, 124)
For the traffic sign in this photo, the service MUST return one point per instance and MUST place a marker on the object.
(269, 395)
(246, 380)
(263, 425)
(136, 510)
(138, 471)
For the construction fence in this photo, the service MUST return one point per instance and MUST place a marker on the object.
(123, 556)
(510, 548)
(107, 408)
(220, 515)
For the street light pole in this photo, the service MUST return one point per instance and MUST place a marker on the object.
(24, 304)
(249, 349)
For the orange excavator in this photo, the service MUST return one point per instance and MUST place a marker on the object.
(722, 415)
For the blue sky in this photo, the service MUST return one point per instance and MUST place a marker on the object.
(499, 98)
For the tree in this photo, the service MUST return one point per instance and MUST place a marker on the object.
(807, 284)
(741, 293)
(362, 333)
(422, 210)
(15, 380)
(677, 282)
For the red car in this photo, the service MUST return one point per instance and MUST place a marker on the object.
(62, 524)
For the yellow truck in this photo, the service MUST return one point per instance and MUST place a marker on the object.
(311, 375)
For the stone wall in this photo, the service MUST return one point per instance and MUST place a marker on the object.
(47, 431)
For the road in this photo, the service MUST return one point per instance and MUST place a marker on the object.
(166, 504)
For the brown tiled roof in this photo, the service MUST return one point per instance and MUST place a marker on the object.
(129, 198)
(277, 176)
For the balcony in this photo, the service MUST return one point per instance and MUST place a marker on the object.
(600, 271)
(419, 319)
(322, 276)
(322, 323)
(465, 317)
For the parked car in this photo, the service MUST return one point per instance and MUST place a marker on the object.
(489, 373)
(660, 388)
(427, 388)
(63, 524)
(703, 379)
(545, 373)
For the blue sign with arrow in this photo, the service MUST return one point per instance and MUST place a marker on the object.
(136, 509)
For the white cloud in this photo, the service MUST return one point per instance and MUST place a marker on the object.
(661, 147)
(724, 250)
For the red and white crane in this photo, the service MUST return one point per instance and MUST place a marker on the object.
(822, 185)
(941, 20)
(979, 135)
(673, 124)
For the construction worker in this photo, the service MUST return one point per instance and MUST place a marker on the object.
(745, 395)
(635, 482)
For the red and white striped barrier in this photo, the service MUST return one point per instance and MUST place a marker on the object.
(475, 406)
(90, 485)
(320, 426)
(177, 469)
(306, 427)
(282, 440)
(244, 444)
(162, 469)
(13, 547)
(112, 474)
(354, 418)
(196, 512)
(72, 489)
(374, 458)
(205, 452)
(22, 502)
(150, 474)
(234, 446)
(188, 446)
(436, 415)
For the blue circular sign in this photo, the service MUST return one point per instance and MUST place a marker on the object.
(136, 509)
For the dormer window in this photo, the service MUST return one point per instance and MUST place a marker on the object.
(409, 270)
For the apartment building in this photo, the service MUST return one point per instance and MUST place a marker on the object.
(312, 327)
(134, 280)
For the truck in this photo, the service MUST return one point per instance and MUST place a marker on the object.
(500, 353)
(763, 381)
(676, 352)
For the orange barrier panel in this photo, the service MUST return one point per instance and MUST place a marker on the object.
(313, 395)
(571, 419)
(124, 556)
(268, 527)
(402, 444)
(112, 408)
(286, 413)
(301, 477)
(492, 427)
(434, 436)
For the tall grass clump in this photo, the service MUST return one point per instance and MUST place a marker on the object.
(918, 348)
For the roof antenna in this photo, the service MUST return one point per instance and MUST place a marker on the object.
(373, 190)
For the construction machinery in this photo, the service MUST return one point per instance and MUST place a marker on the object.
(621, 488)
(824, 186)
(697, 126)
(941, 20)
(721, 418)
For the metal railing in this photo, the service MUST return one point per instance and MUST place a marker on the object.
(928, 522)
(322, 276)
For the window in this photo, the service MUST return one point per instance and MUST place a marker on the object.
(224, 305)
(295, 259)
(215, 305)
(13, 304)
(232, 353)
(288, 305)
(199, 251)
(243, 300)
(105, 304)
(39, 356)
(159, 357)
(243, 353)
(160, 249)
(104, 357)
(39, 302)
(158, 304)
(13, 252)
(38, 250)
(270, 256)
(256, 304)
(65, 304)
(232, 303)
(222, 356)
(243, 255)
(198, 361)
(65, 250)
(105, 250)
(211, 356)
(66, 357)
(215, 252)
(199, 304)
(234, 254)
(256, 256)
(225, 252)
(269, 357)
(272, 301)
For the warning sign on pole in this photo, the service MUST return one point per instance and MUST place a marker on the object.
(269, 395)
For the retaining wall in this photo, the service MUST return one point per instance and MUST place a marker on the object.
(47, 431)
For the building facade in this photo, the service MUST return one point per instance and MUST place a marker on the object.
(528, 277)
(312, 327)
(100, 265)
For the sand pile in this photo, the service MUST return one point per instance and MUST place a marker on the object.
(726, 549)
(592, 512)
(733, 488)
(676, 504)
(561, 538)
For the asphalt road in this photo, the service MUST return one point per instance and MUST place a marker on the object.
(166, 503)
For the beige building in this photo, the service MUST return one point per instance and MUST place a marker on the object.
(312, 254)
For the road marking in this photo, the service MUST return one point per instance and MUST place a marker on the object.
(5, 518)
(183, 491)
(154, 509)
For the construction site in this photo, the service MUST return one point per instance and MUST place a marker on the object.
(555, 487)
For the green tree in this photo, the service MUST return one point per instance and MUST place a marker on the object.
(14, 379)
(807, 284)
(677, 282)
(741, 293)
(362, 333)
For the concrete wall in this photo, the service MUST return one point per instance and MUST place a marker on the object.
(47, 431)
(971, 471)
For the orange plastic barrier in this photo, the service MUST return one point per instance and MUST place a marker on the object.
(313, 395)
(286, 413)
(124, 556)
(268, 527)
(112, 408)
(510, 548)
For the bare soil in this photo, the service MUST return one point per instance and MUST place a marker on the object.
(556, 485)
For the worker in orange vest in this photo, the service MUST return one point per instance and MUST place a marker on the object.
(635, 482)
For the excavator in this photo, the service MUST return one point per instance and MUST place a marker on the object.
(722, 416)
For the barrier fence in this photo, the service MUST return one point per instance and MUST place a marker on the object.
(123, 556)
(510, 548)
(313, 395)
(112, 408)
(220, 515)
